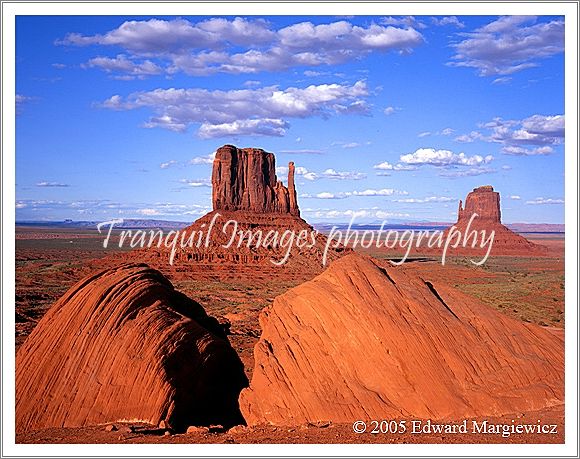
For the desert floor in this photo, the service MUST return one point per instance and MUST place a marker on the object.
(49, 261)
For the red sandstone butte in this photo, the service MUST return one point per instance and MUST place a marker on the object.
(485, 202)
(364, 341)
(245, 179)
(123, 345)
(246, 191)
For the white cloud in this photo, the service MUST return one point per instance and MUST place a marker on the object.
(471, 137)
(429, 199)
(541, 131)
(509, 45)
(406, 21)
(381, 192)
(240, 112)
(390, 110)
(203, 159)
(21, 100)
(337, 175)
(471, 172)
(349, 214)
(347, 194)
(248, 45)
(447, 131)
(45, 184)
(328, 173)
(540, 201)
(443, 158)
(196, 183)
(124, 65)
(502, 80)
(148, 212)
(168, 164)
(448, 20)
(386, 166)
(327, 195)
(424, 134)
(262, 127)
(515, 197)
(520, 151)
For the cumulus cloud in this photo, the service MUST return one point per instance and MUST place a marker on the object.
(406, 21)
(203, 159)
(122, 64)
(540, 201)
(262, 127)
(541, 131)
(261, 111)
(442, 158)
(509, 44)
(448, 21)
(249, 45)
(328, 173)
(386, 166)
(337, 175)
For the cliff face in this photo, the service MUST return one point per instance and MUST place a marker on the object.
(122, 344)
(367, 341)
(245, 179)
(483, 201)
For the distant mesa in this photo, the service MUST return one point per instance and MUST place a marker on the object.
(367, 341)
(485, 202)
(123, 344)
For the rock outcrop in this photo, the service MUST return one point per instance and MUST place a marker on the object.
(364, 341)
(246, 193)
(122, 344)
(245, 179)
(485, 202)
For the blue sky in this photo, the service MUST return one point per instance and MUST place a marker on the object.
(391, 118)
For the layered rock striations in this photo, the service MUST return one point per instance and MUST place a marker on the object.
(245, 179)
(361, 341)
(485, 202)
(122, 344)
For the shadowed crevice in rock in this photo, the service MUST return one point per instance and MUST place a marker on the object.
(436, 293)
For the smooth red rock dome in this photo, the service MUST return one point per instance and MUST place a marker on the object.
(124, 345)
